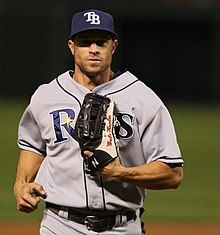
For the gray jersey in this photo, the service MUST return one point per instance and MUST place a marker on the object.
(47, 128)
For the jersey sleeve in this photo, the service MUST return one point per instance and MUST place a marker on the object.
(29, 136)
(159, 140)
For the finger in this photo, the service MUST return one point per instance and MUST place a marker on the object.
(26, 206)
(38, 190)
(40, 194)
(87, 153)
(30, 199)
(25, 209)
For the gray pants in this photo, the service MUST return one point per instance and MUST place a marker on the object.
(53, 224)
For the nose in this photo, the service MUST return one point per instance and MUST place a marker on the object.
(94, 48)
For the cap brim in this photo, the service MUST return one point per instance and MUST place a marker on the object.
(113, 34)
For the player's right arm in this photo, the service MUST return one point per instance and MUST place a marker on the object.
(26, 191)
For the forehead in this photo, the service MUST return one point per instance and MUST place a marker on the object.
(93, 34)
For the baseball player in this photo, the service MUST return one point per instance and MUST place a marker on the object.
(51, 166)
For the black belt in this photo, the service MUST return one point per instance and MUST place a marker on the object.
(93, 221)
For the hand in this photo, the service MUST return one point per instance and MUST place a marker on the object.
(28, 196)
(113, 170)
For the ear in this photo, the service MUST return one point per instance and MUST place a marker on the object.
(71, 46)
(114, 46)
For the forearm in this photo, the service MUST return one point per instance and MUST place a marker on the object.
(154, 175)
(28, 166)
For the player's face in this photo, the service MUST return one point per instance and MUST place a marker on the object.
(93, 52)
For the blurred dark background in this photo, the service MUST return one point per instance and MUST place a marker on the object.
(173, 46)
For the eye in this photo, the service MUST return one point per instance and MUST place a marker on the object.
(101, 42)
(83, 43)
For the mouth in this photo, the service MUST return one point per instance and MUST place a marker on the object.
(94, 60)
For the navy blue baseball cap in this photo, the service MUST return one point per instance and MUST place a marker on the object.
(90, 20)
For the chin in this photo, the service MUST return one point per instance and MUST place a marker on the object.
(93, 72)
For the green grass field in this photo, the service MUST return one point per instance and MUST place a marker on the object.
(197, 199)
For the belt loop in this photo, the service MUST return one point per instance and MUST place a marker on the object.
(63, 214)
(120, 216)
(118, 220)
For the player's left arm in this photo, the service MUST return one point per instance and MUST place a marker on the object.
(153, 175)
(163, 167)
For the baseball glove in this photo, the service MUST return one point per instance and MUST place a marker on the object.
(95, 131)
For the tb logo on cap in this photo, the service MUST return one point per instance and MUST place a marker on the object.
(92, 17)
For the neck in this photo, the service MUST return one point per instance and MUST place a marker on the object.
(91, 82)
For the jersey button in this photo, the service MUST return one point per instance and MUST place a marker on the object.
(96, 203)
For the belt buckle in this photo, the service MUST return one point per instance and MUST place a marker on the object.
(96, 224)
(89, 220)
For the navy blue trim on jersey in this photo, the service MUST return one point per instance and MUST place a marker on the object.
(122, 88)
(173, 165)
(44, 153)
(68, 92)
(168, 158)
(85, 185)
(103, 193)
